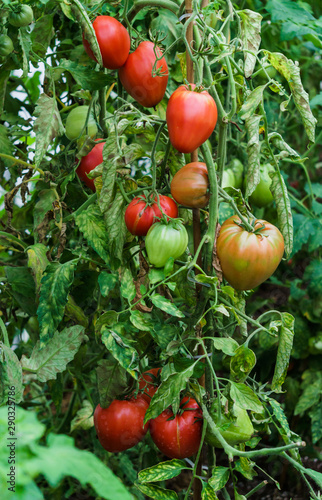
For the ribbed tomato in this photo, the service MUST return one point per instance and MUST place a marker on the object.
(139, 216)
(136, 75)
(89, 162)
(113, 40)
(248, 259)
(181, 436)
(191, 117)
(148, 383)
(190, 184)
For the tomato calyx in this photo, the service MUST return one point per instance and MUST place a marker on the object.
(251, 224)
(192, 87)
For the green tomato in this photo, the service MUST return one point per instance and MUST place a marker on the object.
(6, 45)
(262, 195)
(270, 70)
(211, 19)
(75, 123)
(228, 179)
(22, 15)
(164, 241)
(234, 431)
(238, 168)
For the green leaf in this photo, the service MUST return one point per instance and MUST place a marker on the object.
(79, 13)
(242, 363)
(253, 152)
(278, 142)
(115, 225)
(316, 476)
(6, 146)
(55, 285)
(227, 345)
(121, 349)
(47, 126)
(84, 417)
(285, 344)
(37, 261)
(91, 223)
(245, 467)
(162, 471)
(165, 305)
(280, 416)
(108, 318)
(127, 286)
(23, 288)
(163, 333)
(284, 212)
(166, 22)
(316, 419)
(252, 102)
(25, 43)
(283, 10)
(142, 321)
(45, 203)
(10, 375)
(111, 380)
(42, 34)
(309, 397)
(250, 35)
(219, 477)
(107, 282)
(87, 78)
(306, 231)
(109, 166)
(313, 274)
(208, 493)
(291, 73)
(47, 361)
(244, 397)
(156, 492)
(75, 313)
(4, 77)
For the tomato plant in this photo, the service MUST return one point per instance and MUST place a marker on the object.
(137, 76)
(139, 215)
(113, 40)
(164, 241)
(148, 383)
(178, 436)
(21, 15)
(76, 121)
(189, 185)
(249, 258)
(120, 425)
(235, 430)
(191, 117)
(89, 162)
(262, 195)
(6, 45)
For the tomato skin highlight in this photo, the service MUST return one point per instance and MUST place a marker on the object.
(120, 426)
(164, 241)
(147, 383)
(89, 162)
(190, 184)
(139, 217)
(191, 118)
(137, 79)
(113, 40)
(248, 259)
(75, 122)
(180, 437)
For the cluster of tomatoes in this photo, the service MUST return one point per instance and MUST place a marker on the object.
(19, 16)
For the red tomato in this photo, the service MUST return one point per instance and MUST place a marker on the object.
(120, 426)
(136, 75)
(89, 162)
(148, 383)
(191, 118)
(139, 216)
(248, 259)
(190, 184)
(113, 40)
(181, 436)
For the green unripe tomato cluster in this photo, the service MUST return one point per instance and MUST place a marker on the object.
(234, 432)
(75, 123)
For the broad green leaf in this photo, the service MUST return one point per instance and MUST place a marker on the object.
(280, 416)
(127, 285)
(142, 321)
(107, 282)
(245, 467)
(78, 11)
(315, 475)
(6, 146)
(91, 223)
(242, 363)
(76, 313)
(47, 126)
(283, 10)
(162, 471)
(42, 34)
(111, 380)
(47, 361)
(310, 397)
(45, 203)
(291, 73)
(10, 375)
(22, 288)
(120, 347)
(285, 344)
(87, 78)
(306, 231)
(155, 492)
(37, 261)
(208, 493)
(253, 153)
(252, 102)
(163, 333)
(278, 142)
(244, 397)
(54, 290)
(250, 35)
(167, 23)
(313, 274)
(84, 417)
(219, 477)
(284, 212)
(166, 306)
(228, 346)
(108, 318)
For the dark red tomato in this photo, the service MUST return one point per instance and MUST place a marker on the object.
(136, 75)
(191, 118)
(89, 162)
(120, 426)
(248, 259)
(148, 383)
(139, 216)
(181, 436)
(113, 40)
(190, 184)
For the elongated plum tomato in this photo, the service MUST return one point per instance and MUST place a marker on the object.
(136, 75)
(113, 40)
(190, 184)
(191, 118)
(181, 436)
(148, 383)
(89, 162)
(248, 259)
(164, 241)
(238, 431)
(139, 216)
(120, 425)
(75, 123)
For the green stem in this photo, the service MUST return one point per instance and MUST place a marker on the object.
(21, 162)
(4, 333)
(231, 200)
(153, 163)
(257, 488)
(102, 101)
(194, 473)
(158, 4)
(222, 146)
(83, 207)
(247, 318)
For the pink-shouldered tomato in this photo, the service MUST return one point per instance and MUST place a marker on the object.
(139, 216)
(89, 162)
(136, 75)
(191, 117)
(189, 185)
